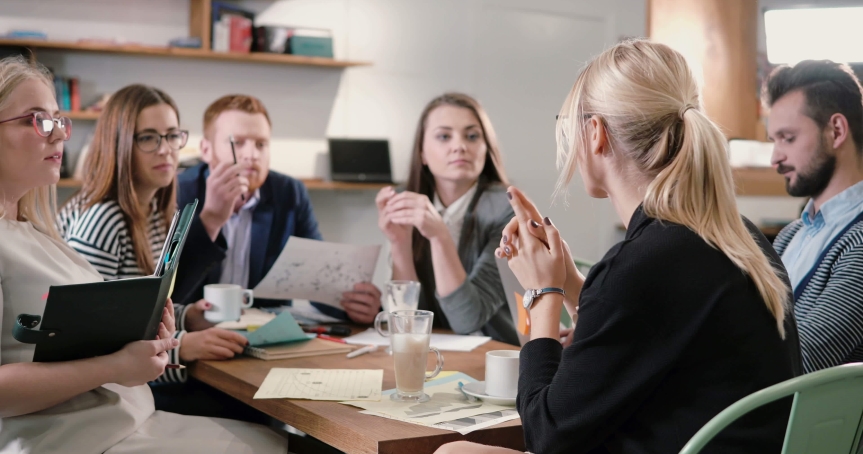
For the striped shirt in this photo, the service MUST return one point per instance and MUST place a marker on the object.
(829, 310)
(100, 234)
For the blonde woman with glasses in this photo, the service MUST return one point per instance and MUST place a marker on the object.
(685, 316)
(99, 404)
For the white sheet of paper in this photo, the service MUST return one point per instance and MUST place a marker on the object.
(322, 384)
(318, 271)
(444, 342)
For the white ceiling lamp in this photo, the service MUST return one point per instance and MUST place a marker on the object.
(814, 34)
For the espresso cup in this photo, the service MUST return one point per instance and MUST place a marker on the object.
(227, 302)
(501, 373)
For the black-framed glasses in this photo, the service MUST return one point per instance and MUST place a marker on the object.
(44, 123)
(149, 142)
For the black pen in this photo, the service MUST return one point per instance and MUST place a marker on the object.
(234, 154)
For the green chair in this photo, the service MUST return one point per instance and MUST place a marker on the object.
(825, 417)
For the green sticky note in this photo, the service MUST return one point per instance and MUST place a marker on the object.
(279, 330)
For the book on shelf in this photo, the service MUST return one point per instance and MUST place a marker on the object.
(231, 28)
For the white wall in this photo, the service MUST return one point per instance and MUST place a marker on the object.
(519, 57)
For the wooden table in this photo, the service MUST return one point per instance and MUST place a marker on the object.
(342, 426)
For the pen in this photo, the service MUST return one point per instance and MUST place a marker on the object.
(234, 154)
(362, 351)
(332, 339)
(175, 366)
(337, 330)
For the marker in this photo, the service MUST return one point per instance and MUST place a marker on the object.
(234, 154)
(332, 339)
(362, 351)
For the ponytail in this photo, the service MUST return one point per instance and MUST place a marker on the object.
(648, 101)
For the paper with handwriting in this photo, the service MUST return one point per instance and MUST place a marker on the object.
(322, 384)
(318, 271)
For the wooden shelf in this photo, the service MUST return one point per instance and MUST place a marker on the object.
(82, 115)
(179, 52)
(759, 181)
(311, 184)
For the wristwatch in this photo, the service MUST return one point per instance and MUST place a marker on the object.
(531, 294)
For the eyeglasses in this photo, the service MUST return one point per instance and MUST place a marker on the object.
(149, 142)
(43, 123)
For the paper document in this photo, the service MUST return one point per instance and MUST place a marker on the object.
(469, 424)
(444, 342)
(250, 317)
(318, 271)
(447, 404)
(322, 384)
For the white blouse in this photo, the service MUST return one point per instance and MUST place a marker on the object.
(110, 418)
(453, 215)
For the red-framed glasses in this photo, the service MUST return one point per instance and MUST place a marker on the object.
(44, 124)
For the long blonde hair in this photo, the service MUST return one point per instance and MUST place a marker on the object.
(38, 205)
(647, 98)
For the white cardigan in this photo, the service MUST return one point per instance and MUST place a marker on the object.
(111, 418)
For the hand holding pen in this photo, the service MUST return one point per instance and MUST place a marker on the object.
(234, 154)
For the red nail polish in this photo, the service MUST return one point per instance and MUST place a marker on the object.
(509, 195)
(533, 224)
(547, 221)
(505, 238)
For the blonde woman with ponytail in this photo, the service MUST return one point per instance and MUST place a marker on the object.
(685, 316)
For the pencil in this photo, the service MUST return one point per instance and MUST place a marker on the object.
(234, 154)
(175, 366)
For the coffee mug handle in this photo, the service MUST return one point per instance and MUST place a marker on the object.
(439, 365)
(249, 296)
(380, 318)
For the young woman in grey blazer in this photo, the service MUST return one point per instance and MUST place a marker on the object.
(443, 229)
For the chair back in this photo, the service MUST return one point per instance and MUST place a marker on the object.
(825, 416)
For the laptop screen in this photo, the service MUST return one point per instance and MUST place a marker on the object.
(360, 160)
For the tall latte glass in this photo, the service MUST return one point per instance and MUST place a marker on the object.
(410, 332)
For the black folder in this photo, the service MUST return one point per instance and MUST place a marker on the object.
(95, 319)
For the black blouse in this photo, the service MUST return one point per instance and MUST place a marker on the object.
(670, 332)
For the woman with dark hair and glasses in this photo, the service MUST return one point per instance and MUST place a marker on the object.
(119, 219)
(443, 229)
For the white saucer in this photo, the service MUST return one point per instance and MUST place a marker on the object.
(477, 389)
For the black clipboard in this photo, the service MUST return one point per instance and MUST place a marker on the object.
(99, 318)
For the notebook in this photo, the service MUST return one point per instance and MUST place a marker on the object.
(282, 338)
(312, 347)
(99, 318)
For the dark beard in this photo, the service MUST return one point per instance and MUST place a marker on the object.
(817, 176)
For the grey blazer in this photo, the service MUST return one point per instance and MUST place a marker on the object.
(479, 304)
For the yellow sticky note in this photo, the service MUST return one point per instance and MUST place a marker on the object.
(523, 325)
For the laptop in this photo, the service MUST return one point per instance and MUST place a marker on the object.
(360, 160)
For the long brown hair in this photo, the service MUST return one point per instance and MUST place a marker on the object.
(421, 180)
(650, 103)
(109, 168)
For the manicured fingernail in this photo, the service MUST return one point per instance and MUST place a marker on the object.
(505, 238)
(509, 195)
(547, 221)
(533, 224)
(508, 252)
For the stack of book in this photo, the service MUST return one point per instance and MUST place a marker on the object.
(68, 93)
(232, 28)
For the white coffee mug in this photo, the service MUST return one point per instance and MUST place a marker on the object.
(227, 301)
(501, 373)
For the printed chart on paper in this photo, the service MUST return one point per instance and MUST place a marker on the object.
(322, 384)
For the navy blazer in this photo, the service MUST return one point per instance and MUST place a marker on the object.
(284, 210)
